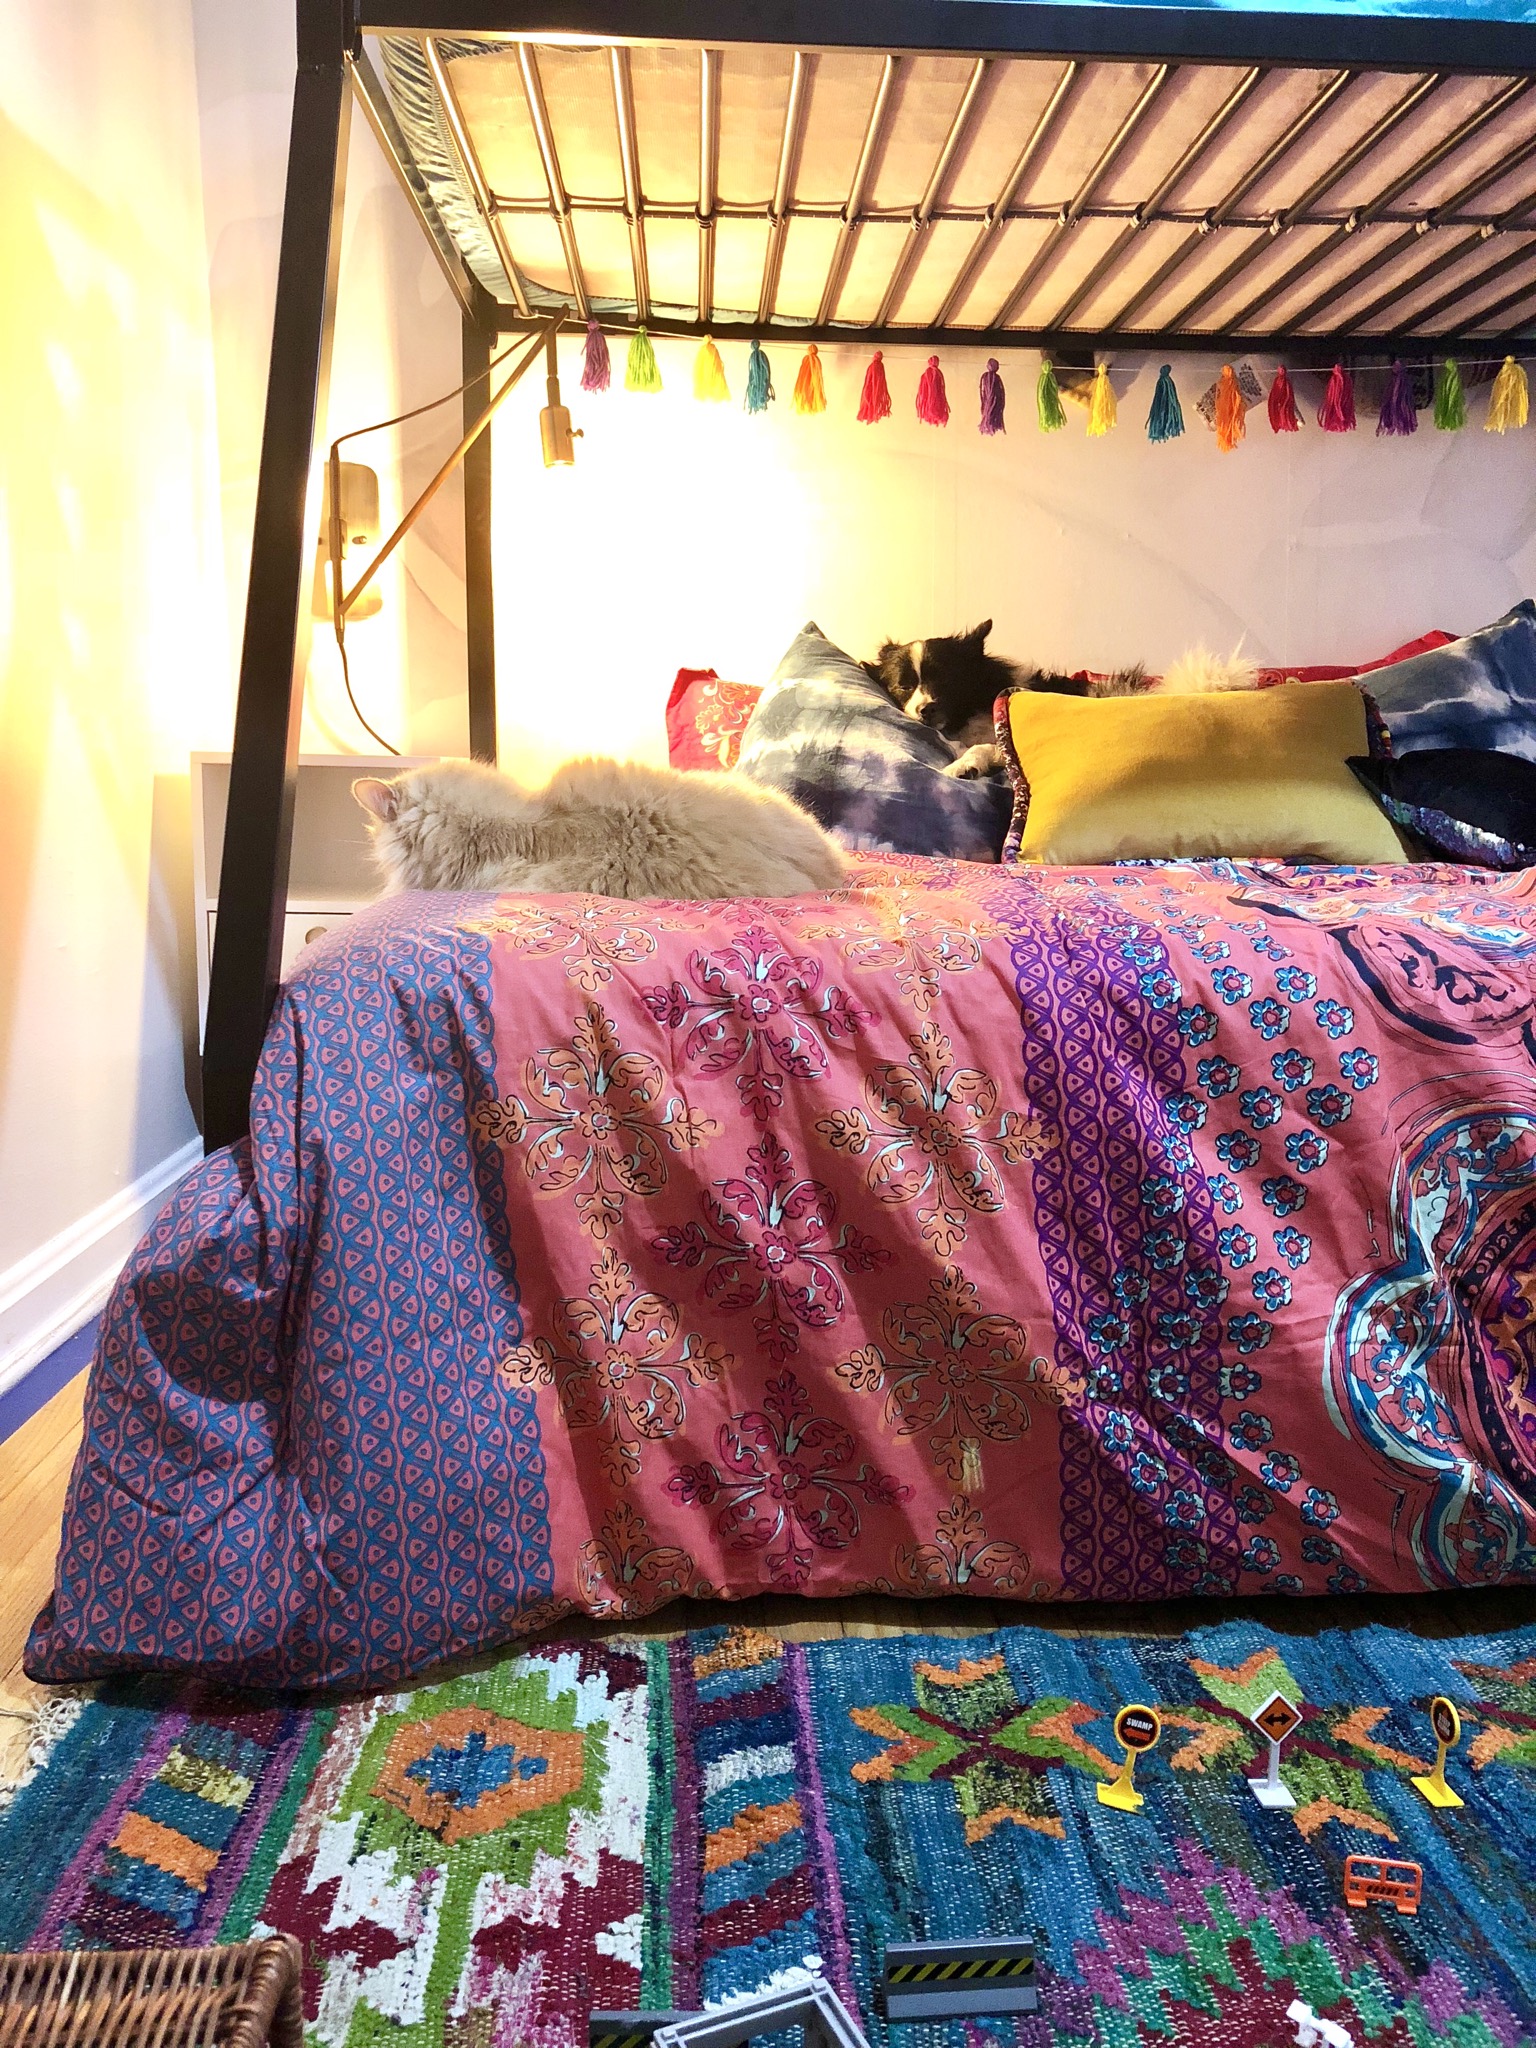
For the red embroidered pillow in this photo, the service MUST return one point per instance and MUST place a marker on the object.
(1268, 677)
(706, 719)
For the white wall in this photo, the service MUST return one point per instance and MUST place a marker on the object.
(143, 146)
(397, 344)
(112, 648)
(693, 535)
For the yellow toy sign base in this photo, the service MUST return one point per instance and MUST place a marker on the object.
(1436, 1791)
(1121, 1792)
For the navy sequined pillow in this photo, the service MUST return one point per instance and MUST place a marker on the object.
(825, 733)
(1477, 692)
(1468, 805)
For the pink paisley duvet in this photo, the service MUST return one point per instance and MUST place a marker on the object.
(1106, 1233)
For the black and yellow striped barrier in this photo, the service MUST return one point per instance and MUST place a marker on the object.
(628, 2029)
(935, 1980)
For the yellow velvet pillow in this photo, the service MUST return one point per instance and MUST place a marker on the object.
(1246, 773)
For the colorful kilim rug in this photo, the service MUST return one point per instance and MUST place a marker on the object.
(477, 1863)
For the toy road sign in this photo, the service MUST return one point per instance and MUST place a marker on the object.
(1137, 1728)
(937, 1980)
(1446, 1723)
(1277, 1718)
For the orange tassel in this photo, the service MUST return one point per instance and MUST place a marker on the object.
(810, 392)
(1231, 413)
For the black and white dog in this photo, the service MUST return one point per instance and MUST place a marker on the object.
(952, 683)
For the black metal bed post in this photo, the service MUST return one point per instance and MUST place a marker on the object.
(479, 612)
(258, 829)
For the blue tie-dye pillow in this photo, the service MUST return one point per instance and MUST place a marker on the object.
(828, 735)
(1477, 692)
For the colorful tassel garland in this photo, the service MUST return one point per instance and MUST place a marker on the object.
(709, 373)
(760, 392)
(640, 370)
(596, 370)
(1231, 413)
(1450, 398)
(810, 392)
(1336, 415)
(1048, 399)
(875, 399)
(1102, 410)
(993, 398)
(932, 399)
(1399, 414)
(1165, 421)
(1510, 404)
(1282, 404)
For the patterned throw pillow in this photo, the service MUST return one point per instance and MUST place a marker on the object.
(706, 718)
(827, 735)
(1470, 806)
(1479, 692)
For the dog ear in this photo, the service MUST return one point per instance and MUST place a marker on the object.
(979, 633)
(379, 799)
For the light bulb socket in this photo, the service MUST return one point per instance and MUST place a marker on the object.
(555, 431)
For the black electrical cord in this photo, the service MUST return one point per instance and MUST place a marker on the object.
(346, 677)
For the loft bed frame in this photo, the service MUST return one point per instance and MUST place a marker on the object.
(1458, 271)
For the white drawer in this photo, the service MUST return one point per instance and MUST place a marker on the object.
(300, 929)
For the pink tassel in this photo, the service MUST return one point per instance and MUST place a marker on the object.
(932, 404)
(596, 372)
(1282, 404)
(992, 398)
(1336, 415)
(875, 401)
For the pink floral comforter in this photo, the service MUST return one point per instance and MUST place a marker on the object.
(1114, 1233)
(1109, 1233)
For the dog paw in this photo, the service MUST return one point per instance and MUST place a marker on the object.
(976, 762)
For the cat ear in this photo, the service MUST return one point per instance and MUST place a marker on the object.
(979, 633)
(379, 799)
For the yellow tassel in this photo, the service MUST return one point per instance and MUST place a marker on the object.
(1102, 412)
(1510, 404)
(810, 392)
(970, 1466)
(709, 373)
(1231, 413)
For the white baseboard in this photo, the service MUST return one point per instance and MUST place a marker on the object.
(47, 1296)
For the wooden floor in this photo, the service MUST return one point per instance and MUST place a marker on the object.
(34, 1471)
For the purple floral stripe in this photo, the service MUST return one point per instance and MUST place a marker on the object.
(167, 1731)
(1101, 1058)
(832, 1932)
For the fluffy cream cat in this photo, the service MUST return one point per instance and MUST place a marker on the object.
(1199, 673)
(609, 828)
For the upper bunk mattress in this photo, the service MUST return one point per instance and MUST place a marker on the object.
(1112, 1233)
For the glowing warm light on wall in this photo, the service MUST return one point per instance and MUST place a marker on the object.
(692, 535)
(618, 573)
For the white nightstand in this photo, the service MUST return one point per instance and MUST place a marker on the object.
(331, 872)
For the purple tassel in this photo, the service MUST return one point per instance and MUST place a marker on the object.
(992, 399)
(596, 371)
(1399, 414)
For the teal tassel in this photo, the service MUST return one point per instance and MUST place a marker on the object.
(759, 380)
(1165, 422)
